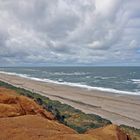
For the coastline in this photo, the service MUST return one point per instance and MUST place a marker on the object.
(118, 108)
(78, 85)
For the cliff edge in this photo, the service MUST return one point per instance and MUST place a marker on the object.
(21, 118)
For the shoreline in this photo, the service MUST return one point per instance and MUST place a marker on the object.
(77, 85)
(118, 108)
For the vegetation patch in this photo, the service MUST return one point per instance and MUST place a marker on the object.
(134, 133)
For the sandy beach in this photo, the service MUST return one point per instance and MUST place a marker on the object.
(118, 108)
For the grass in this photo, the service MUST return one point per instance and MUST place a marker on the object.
(133, 132)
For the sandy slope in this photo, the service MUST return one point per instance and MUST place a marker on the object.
(120, 109)
(22, 119)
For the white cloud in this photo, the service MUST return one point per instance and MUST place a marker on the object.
(69, 32)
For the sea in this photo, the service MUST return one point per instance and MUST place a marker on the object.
(121, 80)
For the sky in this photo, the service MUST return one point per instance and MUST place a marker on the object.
(69, 32)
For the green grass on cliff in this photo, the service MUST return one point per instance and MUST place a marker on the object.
(133, 132)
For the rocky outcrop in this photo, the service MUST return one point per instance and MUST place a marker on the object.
(21, 118)
(12, 105)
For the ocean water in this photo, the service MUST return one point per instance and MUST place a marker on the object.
(122, 80)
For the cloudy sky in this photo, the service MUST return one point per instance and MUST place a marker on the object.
(69, 32)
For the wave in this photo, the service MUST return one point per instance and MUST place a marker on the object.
(25, 69)
(104, 78)
(64, 73)
(136, 81)
(111, 90)
(12, 73)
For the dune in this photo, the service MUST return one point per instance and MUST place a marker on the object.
(21, 118)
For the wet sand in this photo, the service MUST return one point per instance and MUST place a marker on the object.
(118, 108)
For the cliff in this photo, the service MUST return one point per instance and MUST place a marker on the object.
(21, 118)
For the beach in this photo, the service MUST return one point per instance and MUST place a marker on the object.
(118, 108)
